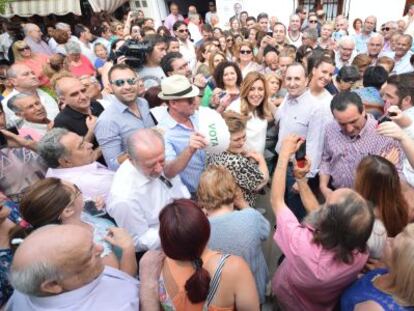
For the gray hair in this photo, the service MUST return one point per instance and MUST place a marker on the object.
(376, 35)
(72, 47)
(312, 34)
(30, 279)
(50, 148)
(28, 28)
(11, 72)
(146, 137)
(62, 26)
(12, 101)
(346, 39)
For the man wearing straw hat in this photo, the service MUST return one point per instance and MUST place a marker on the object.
(184, 145)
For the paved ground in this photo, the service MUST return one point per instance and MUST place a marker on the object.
(270, 249)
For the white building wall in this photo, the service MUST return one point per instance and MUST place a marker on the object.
(384, 10)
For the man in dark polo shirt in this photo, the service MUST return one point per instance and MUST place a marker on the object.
(80, 114)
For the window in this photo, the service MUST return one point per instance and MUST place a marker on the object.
(332, 8)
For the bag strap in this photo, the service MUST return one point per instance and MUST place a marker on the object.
(215, 282)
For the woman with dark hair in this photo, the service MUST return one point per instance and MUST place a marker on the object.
(163, 31)
(373, 79)
(53, 201)
(228, 79)
(192, 275)
(357, 25)
(238, 232)
(377, 181)
(319, 78)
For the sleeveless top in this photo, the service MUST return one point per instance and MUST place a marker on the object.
(363, 290)
(180, 301)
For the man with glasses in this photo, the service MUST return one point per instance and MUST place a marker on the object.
(186, 46)
(345, 53)
(387, 31)
(140, 190)
(126, 114)
(183, 144)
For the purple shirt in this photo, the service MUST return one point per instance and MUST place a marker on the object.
(38, 47)
(342, 154)
(171, 19)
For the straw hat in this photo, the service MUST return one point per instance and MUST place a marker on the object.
(176, 87)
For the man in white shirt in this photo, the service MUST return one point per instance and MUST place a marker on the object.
(25, 81)
(85, 37)
(139, 190)
(194, 27)
(402, 55)
(298, 114)
(72, 275)
(346, 52)
(33, 113)
(62, 26)
(71, 158)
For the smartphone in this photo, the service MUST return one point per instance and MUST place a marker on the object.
(222, 94)
(90, 208)
(386, 117)
(269, 33)
(300, 155)
(3, 139)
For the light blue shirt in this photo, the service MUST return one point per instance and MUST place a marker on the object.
(115, 125)
(177, 137)
(361, 41)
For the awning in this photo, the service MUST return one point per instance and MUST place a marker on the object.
(106, 5)
(27, 8)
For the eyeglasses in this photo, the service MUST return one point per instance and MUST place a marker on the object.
(24, 48)
(182, 30)
(313, 22)
(121, 82)
(245, 51)
(229, 40)
(77, 194)
(386, 29)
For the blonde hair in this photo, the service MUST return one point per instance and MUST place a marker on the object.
(217, 187)
(234, 121)
(263, 111)
(15, 48)
(402, 268)
(275, 75)
(240, 45)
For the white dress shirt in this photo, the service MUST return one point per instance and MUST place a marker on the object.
(92, 179)
(403, 65)
(112, 290)
(301, 116)
(136, 201)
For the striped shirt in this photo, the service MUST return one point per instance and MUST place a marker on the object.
(342, 154)
(114, 126)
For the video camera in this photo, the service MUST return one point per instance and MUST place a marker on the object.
(134, 51)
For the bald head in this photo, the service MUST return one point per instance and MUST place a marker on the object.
(375, 45)
(146, 151)
(51, 256)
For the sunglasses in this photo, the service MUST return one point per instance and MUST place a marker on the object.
(386, 29)
(229, 40)
(121, 82)
(24, 48)
(245, 51)
(313, 22)
(183, 30)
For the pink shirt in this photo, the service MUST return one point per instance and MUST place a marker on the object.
(86, 68)
(309, 278)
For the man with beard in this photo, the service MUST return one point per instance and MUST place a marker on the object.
(139, 190)
(126, 114)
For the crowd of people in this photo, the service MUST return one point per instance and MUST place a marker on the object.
(112, 197)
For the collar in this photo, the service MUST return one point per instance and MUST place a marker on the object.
(171, 123)
(294, 100)
(120, 107)
(139, 178)
(67, 299)
(83, 168)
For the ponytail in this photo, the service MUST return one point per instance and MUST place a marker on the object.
(198, 285)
